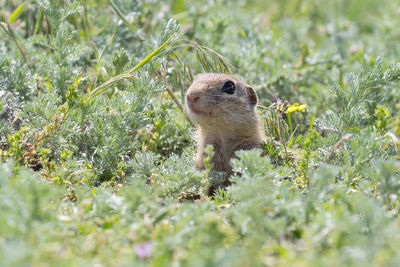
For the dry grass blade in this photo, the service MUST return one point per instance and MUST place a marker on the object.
(101, 55)
(152, 54)
(122, 17)
(10, 32)
(100, 60)
(209, 59)
(175, 99)
(339, 144)
(107, 85)
(114, 80)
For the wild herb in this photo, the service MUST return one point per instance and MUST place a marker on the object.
(96, 153)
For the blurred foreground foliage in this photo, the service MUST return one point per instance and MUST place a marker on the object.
(97, 155)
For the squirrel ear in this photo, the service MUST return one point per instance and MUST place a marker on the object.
(253, 99)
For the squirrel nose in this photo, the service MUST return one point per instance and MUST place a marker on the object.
(192, 98)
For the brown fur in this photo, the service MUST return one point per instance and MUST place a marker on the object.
(227, 122)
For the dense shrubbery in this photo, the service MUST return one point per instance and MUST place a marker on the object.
(97, 156)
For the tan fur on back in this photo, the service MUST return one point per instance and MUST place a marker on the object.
(227, 122)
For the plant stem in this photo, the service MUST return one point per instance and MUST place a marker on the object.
(290, 123)
(13, 36)
(281, 137)
(175, 99)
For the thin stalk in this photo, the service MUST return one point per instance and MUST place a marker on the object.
(152, 54)
(281, 137)
(10, 32)
(39, 21)
(120, 77)
(175, 99)
(290, 122)
(122, 17)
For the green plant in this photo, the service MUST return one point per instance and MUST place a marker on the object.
(97, 156)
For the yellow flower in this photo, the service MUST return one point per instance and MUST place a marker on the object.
(296, 107)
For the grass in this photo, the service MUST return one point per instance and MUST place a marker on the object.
(96, 153)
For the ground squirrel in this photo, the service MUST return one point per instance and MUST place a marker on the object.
(223, 107)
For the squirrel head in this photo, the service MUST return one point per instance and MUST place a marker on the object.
(221, 102)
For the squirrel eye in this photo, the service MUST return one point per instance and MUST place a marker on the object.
(229, 88)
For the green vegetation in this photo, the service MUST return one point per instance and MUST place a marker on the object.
(96, 154)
